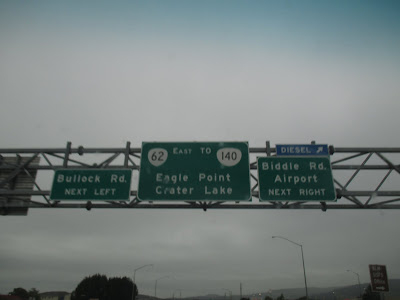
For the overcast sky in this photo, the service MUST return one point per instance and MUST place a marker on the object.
(101, 73)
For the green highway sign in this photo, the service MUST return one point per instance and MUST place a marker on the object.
(195, 172)
(295, 179)
(91, 184)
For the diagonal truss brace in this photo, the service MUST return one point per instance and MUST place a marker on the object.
(349, 196)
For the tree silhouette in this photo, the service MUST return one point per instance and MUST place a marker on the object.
(281, 297)
(121, 288)
(20, 292)
(34, 294)
(91, 287)
(99, 287)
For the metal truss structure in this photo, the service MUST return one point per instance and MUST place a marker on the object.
(364, 178)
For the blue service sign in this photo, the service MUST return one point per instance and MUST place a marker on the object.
(302, 150)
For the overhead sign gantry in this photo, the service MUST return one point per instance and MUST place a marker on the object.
(215, 175)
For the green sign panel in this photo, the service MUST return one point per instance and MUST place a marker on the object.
(195, 172)
(91, 184)
(295, 179)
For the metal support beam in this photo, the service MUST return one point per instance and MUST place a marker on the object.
(353, 193)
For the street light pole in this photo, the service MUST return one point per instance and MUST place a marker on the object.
(134, 271)
(155, 286)
(134, 277)
(173, 294)
(230, 293)
(302, 257)
(358, 278)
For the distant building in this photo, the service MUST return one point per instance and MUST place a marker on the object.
(55, 296)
